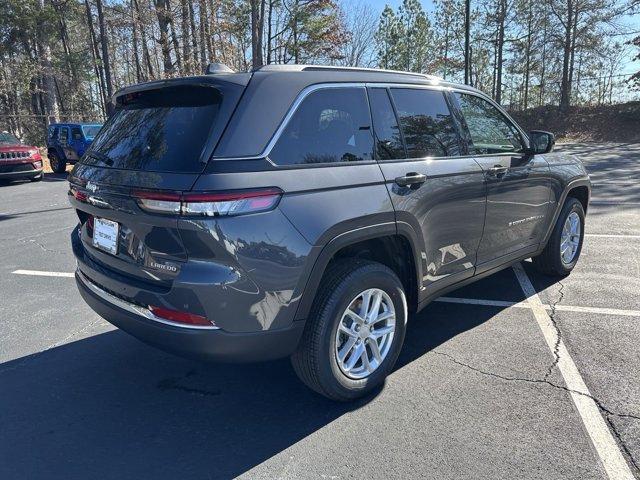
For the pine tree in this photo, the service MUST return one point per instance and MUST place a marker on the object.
(386, 39)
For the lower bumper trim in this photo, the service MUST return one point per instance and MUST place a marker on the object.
(133, 308)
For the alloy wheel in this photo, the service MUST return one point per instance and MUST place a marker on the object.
(570, 238)
(365, 333)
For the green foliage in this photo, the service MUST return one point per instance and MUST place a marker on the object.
(404, 39)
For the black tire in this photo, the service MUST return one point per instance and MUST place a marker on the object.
(38, 178)
(550, 260)
(314, 361)
(57, 164)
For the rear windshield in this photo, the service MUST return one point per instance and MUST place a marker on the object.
(162, 130)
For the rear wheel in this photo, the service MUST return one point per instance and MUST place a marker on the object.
(563, 249)
(355, 331)
(57, 164)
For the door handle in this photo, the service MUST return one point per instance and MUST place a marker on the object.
(411, 179)
(497, 170)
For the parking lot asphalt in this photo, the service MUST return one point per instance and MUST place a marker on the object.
(487, 385)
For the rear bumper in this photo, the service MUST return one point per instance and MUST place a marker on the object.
(201, 343)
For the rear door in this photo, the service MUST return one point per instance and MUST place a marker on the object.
(435, 189)
(153, 147)
(518, 184)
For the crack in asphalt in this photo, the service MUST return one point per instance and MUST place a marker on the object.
(545, 381)
(45, 249)
(552, 317)
(174, 383)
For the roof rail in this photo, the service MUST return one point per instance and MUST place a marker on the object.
(302, 68)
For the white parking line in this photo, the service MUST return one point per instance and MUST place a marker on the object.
(614, 463)
(610, 235)
(43, 274)
(467, 301)
(525, 304)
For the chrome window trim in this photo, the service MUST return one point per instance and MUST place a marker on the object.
(292, 110)
(133, 308)
(321, 86)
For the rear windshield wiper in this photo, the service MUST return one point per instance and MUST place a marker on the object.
(101, 157)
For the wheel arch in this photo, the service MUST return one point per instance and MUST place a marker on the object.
(581, 190)
(385, 243)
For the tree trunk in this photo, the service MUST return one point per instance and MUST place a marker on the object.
(257, 29)
(104, 43)
(565, 86)
(97, 61)
(145, 47)
(136, 56)
(467, 30)
(43, 50)
(269, 39)
(500, 47)
(163, 24)
(174, 36)
(194, 37)
(184, 26)
(204, 19)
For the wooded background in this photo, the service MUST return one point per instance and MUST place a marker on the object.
(63, 59)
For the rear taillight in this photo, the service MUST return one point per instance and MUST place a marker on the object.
(77, 194)
(209, 204)
(181, 317)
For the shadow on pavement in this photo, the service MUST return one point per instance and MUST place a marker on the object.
(108, 406)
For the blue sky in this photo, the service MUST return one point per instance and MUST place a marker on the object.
(378, 5)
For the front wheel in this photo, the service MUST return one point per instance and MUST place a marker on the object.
(562, 251)
(355, 330)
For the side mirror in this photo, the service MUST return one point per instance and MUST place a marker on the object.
(541, 141)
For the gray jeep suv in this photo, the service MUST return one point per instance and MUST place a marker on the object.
(306, 211)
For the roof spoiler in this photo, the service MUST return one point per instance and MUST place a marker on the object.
(216, 68)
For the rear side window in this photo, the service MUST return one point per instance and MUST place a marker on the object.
(427, 124)
(330, 125)
(162, 130)
(385, 126)
(64, 134)
(490, 131)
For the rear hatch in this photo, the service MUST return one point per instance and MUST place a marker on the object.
(157, 142)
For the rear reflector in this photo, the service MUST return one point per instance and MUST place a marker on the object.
(209, 204)
(180, 317)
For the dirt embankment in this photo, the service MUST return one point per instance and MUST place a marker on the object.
(605, 123)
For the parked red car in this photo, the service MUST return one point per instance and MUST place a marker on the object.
(19, 161)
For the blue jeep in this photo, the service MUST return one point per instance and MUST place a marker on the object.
(67, 142)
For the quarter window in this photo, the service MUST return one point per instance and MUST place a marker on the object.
(385, 125)
(330, 125)
(490, 131)
(427, 125)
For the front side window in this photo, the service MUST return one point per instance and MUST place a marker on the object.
(427, 124)
(490, 131)
(385, 125)
(330, 125)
